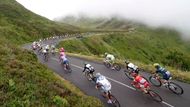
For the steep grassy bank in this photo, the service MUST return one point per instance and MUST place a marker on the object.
(24, 82)
(143, 46)
(20, 25)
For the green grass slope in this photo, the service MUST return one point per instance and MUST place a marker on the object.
(24, 82)
(20, 24)
(143, 45)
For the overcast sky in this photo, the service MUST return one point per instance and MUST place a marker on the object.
(172, 13)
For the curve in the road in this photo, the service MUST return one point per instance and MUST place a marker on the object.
(126, 97)
(116, 82)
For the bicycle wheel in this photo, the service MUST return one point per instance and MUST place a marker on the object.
(128, 74)
(155, 96)
(175, 88)
(154, 81)
(45, 57)
(87, 75)
(117, 66)
(107, 64)
(68, 68)
(115, 102)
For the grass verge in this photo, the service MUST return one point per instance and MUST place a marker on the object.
(176, 74)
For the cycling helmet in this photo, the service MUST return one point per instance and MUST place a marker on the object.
(62, 50)
(156, 65)
(98, 74)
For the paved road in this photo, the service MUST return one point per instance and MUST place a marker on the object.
(121, 88)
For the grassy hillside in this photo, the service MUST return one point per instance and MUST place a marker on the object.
(24, 81)
(143, 45)
(20, 25)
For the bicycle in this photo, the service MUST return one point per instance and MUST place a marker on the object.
(89, 75)
(129, 73)
(174, 87)
(67, 66)
(46, 56)
(108, 64)
(156, 97)
(114, 101)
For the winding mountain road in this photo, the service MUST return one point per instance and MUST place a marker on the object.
(121, 87)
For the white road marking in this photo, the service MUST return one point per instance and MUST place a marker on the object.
(117, 82)
(167, 104)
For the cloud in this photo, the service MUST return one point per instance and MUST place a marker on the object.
(171, 13)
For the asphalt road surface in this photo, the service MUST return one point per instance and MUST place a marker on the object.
(121, 88)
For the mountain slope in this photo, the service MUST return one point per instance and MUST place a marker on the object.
(22, 25)
(24, 82)
(144, 45)
(99, 23)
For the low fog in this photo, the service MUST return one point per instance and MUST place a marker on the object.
(155, 13)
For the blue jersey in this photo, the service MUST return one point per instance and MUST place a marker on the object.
(161, 70)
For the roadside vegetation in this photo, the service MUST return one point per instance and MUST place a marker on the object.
(24, 82)
(143, 47)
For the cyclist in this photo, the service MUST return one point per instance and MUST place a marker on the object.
(53, 49)
(140, 83)
(110, 58)
(165, 73)
(63, 60)
(103, 84)
(132, 67)
(34, 45)
(89, 68)
(45, 50)
(62, 51)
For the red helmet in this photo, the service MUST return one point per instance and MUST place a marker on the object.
(62, 50)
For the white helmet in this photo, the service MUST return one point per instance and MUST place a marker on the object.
(98, 74)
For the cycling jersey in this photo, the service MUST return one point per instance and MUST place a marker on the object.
(166, 74)
(62, 53)
(110, 57)
(64, 59)
(132, 67)
(89, 68)
(104, 83)
(142, 83)
(44, 51)
(52, 47)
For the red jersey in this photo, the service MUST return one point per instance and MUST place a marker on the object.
(141, 81)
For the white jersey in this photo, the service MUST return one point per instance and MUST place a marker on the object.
(131, 65)
(52, 46)
(47, 47)
(44, 51)
(106, 85)
(110, 57)
(88, 65)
